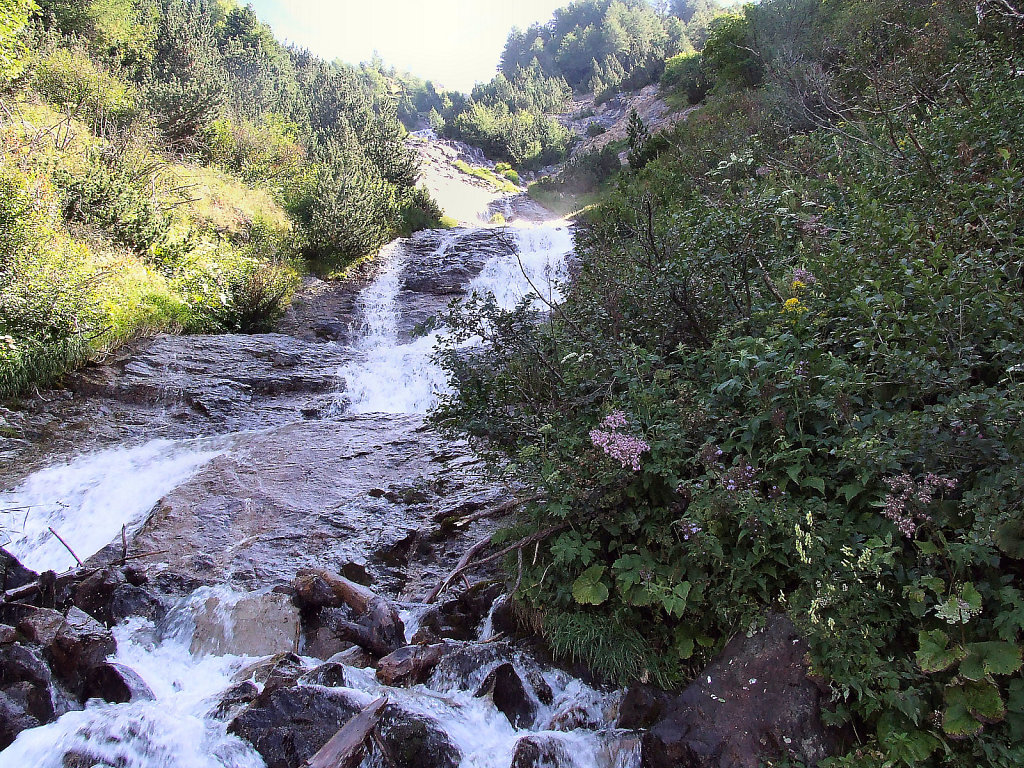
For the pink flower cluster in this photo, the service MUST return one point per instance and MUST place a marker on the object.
(907, 498)
(625, 449)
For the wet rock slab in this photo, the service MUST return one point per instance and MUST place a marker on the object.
(306, 495)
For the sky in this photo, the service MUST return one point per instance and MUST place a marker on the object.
(455, 43)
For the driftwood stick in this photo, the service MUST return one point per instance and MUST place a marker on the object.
(28, 590)
(467, 562)
(346, 747)
(459, 567)
(480, 514)
(66, 546)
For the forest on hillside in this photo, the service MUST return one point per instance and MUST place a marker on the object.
(787, 376)
(169, 165)
(601, 47)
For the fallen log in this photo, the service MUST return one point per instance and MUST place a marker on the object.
(451, 517)
(379, 628)
(346, 747)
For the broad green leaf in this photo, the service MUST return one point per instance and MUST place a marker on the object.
(813, 482)
(999, 658)
(957, 721)
(934, 653)
(982, 700)
(588, 588)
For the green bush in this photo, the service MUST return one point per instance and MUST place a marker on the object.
(595, 129)
(70, 80)
(787, 378)
(260, 153)
(14, 16)
(686, 72)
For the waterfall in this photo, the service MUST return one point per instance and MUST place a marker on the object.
(395, 376)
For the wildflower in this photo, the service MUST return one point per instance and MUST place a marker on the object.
(804, 276)
(907, 498)
(688, 529)
(625, 449)
(793, 306)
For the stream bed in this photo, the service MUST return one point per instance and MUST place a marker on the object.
(224, 467)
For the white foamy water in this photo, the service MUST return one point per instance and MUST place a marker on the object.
(390, 376)
(172, 731)
(87, 500)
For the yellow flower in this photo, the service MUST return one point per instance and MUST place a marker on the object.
(794, 306)
(798, 285)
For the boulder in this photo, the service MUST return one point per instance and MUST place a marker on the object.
(258, 624)
(116, 684)
(14, 718)
(7, 634)
(753, 704)
(412, 664)
(415, 741)
(81, 645)
(541, 751)
(41, 625)
(19, 663)
(234, 700)
(465, 668)
(133, 600)
(354, 657)
(509, 695)
(288, 726)
(641, 707)
(329, 674)
(12, 573)
(93, 593)
(459, 618)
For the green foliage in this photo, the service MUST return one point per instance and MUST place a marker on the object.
(814, 338)
(72, 82)
(686, 73)
(14, 16)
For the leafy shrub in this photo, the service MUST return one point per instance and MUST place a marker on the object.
(595, 129)
(69, 79)
(787, 378)
(13, 19)
(686, 72)
(258, 152)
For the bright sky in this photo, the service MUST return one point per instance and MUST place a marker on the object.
(453, 42)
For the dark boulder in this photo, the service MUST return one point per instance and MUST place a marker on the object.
(93, 593)
(234, 700)
(19, 663)
(14, 718)
(459, 618)
(464, 668)
(7, 634)
(354, 657)
(412, 664)
(753, 704)
(12, 573)
(540, 751)
(116, 684)
(132, 600)
(509, 695)
(41, 625)
(289, 725)
(415, 741)
(81, 645)
(329, 674)
(641, 707)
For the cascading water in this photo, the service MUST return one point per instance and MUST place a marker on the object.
(392, 376)
(88, 500)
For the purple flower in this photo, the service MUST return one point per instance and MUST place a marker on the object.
(804, 276)
(625, 449)
(907, 498)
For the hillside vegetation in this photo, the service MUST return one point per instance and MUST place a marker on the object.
(168, 165)
(787, 378)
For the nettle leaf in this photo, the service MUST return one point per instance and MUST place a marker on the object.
(588, 588)
(971, 596)
(934, 654)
